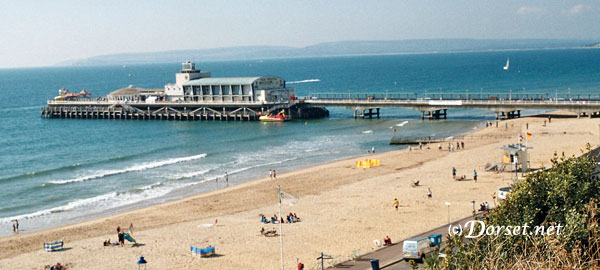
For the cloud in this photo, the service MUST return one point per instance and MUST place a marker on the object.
(525, 10)
(576, 9)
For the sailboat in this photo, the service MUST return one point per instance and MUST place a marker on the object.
(507, 64)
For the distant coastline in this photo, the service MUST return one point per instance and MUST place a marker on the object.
(333, 49)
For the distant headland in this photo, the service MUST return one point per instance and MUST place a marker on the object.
(341, 48)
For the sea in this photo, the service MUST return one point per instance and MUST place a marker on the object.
(55, 172)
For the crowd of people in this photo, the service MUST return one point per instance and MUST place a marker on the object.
(290, 218)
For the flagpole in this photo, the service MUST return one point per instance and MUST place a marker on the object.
(280, 227)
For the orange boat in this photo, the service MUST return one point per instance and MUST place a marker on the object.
(280, 117)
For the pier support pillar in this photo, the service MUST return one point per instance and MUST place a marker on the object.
(434, 114)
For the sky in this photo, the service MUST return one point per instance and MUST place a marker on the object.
(43, 33)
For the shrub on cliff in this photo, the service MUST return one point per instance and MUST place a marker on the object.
(564, 195)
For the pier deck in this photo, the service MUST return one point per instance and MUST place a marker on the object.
(505, 106)
(234, 111)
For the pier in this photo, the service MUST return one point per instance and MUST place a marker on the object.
(240, 111)
(436, 106)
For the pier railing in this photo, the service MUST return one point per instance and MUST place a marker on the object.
(454, 96)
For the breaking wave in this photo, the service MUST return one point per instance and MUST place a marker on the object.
(139, 167)
(304, 81)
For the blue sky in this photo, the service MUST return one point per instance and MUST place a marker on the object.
(41, 33)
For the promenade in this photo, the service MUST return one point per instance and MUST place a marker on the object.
(390, 257)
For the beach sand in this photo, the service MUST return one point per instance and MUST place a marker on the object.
(343, 208)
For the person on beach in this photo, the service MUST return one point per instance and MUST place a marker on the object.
(16, 226)
(453, 173)
(440, 146)
(121, 236)
(227, 179)
(396, 204)
(373, 149)
(429, 193)
(131, 229)
(271, 174)
(387, 241)
(462, 145)
(275, 174)
(457, 145)
(475, 175)
(420, 146)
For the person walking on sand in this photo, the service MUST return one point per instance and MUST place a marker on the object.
(275, 174)
(271, 174)
(453, 173)
(396, 204)
(475, 175)
(429, 193)
(457, 145)
(227, 179)
(462, 145)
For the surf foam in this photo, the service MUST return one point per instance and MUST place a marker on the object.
(139, 167)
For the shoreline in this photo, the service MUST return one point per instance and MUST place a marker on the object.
(335, 191)
(177, 194)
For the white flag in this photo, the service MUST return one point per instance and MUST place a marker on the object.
(287, 198)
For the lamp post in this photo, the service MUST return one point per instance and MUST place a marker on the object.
(448, 204)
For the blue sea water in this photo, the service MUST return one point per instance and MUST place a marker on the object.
(60, 171)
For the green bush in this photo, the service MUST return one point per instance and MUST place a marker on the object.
(564, 195)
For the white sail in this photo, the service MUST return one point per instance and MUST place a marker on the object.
(507, 64)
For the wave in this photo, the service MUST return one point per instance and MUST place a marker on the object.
(259, 165)
(140, 167)
(191, 174)
(63, 208)
(43, 172)
(367, 131)
(402, 124)
(304, 81)
(20, 108)
(108, 200)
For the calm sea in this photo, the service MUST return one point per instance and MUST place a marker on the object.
(60, 171)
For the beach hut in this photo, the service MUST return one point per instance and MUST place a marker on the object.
(515, 156)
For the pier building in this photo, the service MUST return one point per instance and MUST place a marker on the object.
(192, 85)
(195, 95)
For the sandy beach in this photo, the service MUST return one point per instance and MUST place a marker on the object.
(342, 208)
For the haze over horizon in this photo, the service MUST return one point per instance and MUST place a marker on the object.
(46, 33)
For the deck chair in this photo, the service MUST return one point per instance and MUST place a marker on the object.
(203, 252)
(56, 246)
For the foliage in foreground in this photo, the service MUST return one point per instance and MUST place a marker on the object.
(567, 195)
